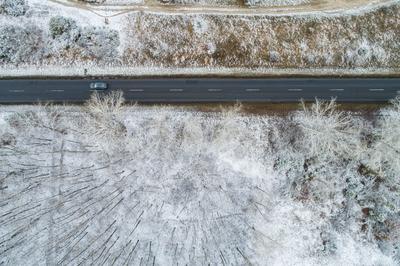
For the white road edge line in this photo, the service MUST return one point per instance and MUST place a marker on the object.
(295, 89)
(16, 91)
(376, 89)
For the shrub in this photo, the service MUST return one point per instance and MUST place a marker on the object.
(92, 42)
(61, 26)
(13, 7)
(7, 139)
(20, 44)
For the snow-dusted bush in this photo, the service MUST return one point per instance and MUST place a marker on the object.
(20, 44)
(99, 43)
(91, 43)
(13, 7)
(64, 32)
(7, 139)
(362, 51)
(59, 26)
(274, 56)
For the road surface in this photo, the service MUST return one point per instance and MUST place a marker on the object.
(206, 90)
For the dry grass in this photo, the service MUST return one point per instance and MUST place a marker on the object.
(368, 40)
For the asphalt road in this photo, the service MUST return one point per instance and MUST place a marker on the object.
(206, 90)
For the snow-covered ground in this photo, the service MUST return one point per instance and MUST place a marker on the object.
(118, 184)
(46, 38)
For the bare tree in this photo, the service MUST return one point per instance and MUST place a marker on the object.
(104, 117)
(327, 131)
(387, 145)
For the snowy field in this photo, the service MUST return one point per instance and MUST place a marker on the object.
(117, 184)
(49, 38)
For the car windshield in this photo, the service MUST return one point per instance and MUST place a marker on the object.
(98, 85)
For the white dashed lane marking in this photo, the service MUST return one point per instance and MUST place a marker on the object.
(16, 91)
(252, 90)
(176, 90)
(336, 89)
(376, 89)
(136, 90)
(214, 90)
(57, 90)
(295, 89)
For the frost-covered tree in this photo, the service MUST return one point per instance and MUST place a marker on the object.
(103, 118)
(188, 187)
(64, 32)
(20, 44)
(386, 147)
(328, 132)
(328, 146)
(13, 7)
(59, 26)
(380, 196)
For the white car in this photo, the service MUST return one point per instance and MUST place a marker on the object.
(98, 86)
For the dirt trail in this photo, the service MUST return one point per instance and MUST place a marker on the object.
(328, 6)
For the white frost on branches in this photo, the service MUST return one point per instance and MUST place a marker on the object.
(112, 184)
(103, 119)
(328, 132)
(387, 145)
